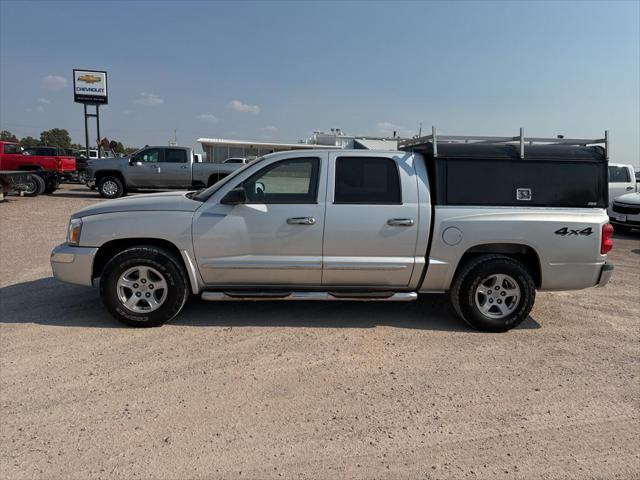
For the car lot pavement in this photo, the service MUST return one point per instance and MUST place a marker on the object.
(300, 390)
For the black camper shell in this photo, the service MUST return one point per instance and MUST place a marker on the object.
(484, 173)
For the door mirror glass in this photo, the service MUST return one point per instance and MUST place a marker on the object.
(234, 197)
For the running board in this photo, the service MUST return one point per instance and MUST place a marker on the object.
(325, 296)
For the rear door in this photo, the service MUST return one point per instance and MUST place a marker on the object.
(371, 221)
(621, 181)
(174, 169)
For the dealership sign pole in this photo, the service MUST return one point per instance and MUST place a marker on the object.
(90, 88)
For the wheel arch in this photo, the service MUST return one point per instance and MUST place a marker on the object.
(109, 249)
(30, 168)
(111, 173)
(525, 254)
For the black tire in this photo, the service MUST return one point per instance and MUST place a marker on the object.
(464, 291)
(111, 187)
(621, 228)
(145, 256)
(35, 186)
(51, 187)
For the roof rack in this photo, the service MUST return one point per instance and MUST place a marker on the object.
(521, 139)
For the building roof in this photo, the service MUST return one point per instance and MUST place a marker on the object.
(253, 143)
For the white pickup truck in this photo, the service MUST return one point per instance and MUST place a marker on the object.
(489, 220)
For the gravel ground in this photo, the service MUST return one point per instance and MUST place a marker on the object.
(298, 390)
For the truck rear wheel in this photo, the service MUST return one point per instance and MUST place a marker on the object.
(493, 293)
(144, 286)
(35, 186)
(110, 187)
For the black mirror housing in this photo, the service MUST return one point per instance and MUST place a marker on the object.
(234, 197)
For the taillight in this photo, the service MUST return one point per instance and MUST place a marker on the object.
(606, 243)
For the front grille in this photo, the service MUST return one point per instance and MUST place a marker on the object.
(628, 209)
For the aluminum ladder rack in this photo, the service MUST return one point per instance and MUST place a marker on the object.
(433, 139)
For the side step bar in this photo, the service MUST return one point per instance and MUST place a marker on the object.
(325, 296)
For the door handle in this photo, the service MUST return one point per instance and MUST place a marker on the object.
(301, 221)
(400, 222)
(629, 189)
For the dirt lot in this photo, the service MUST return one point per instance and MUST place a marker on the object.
(298, 390)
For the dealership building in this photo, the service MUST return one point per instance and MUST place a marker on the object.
(217, 150)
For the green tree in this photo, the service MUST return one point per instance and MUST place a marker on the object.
(56, 137)
(7, 136)
(28, 142)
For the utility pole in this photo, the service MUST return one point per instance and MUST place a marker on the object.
(420, 132)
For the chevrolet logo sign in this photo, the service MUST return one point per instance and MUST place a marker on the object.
(89, 79)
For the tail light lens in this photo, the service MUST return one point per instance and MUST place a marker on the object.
(606, 243)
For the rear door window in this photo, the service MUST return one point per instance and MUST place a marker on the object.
(367, 180)
(175, 156)
(619, 174)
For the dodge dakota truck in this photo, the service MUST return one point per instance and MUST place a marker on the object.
(49, 166)
(153, 168)
(488, 221)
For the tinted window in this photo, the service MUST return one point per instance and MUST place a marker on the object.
(150, 155)
(367, 180)
(44, 151)
(11, 148)
(618, 174)
(288, 181)
(175, 156)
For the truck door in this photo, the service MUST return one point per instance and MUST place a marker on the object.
(621, 181)
(174, 170)
(275, 237)
(145, 168)
(371, 222)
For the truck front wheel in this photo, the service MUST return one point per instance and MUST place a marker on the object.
(110, 187)
(144, 286)
(493, 293)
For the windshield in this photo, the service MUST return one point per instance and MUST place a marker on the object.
(204, 195)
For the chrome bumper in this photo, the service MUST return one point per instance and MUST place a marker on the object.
(605, 274)
(73, 264)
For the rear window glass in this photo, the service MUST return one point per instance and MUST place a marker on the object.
(618, 174)
(367, 180)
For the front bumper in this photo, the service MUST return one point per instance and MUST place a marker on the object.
(73, 264)
(605, 274)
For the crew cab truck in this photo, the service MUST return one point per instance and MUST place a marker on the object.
(153, 168)
(489, 223)
(49, 166)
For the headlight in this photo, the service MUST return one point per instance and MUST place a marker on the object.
(73, 234)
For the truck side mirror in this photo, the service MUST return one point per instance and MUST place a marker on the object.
(234, 197)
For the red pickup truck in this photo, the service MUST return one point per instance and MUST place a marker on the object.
(49, 164)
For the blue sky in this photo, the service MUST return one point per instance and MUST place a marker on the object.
(278, 71)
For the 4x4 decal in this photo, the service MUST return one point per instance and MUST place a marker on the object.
(564, 231)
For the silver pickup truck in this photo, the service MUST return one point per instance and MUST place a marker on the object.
(489, 223)
(153, 168)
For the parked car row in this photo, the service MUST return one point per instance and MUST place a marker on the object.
(49, 166)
